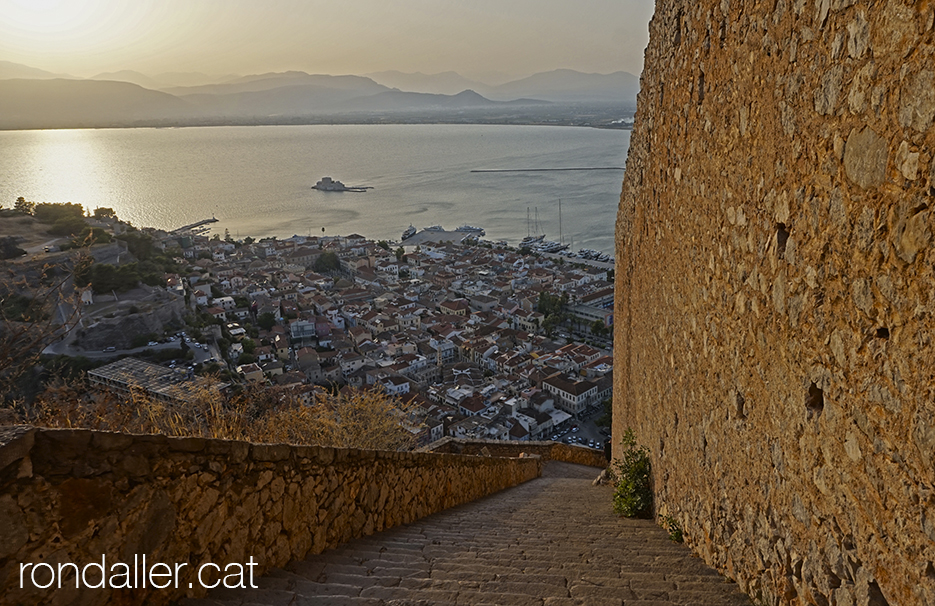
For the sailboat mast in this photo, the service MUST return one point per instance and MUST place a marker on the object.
(561, 237)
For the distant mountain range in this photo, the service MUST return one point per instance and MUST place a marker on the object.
(59, 103)
(445, 83)
(33, 98)
(15, 70)
(569, 86)
(557, 86)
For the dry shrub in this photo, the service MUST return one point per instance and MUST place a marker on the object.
(361, 419)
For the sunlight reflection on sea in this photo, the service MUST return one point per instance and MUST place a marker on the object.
(256, 179)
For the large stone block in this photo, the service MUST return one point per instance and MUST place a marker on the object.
(917, 100)
(13, 532)
(16, 442)
(866, 155)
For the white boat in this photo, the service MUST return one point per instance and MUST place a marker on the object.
(479, 230)
(551, 247)
(410, 231)
(435, 228)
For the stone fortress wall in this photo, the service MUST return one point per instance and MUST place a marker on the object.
(775, 309)
(73, 495)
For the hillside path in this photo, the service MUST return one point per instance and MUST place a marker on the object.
(553, 541)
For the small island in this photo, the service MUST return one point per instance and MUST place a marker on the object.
(328, 184)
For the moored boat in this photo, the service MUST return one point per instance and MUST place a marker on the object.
(470, 228)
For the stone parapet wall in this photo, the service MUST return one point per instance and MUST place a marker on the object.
(547, 450)
(73, 495)
(775, 308)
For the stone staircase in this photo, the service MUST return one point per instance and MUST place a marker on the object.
(553, 541)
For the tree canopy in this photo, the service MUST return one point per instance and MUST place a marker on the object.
(139, 244)
(67, 219)
(553, 308)
(598, 328)
(327, 261)
(266, 320)
(47, 212)
(24, 206)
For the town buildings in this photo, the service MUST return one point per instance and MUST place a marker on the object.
(457, 330)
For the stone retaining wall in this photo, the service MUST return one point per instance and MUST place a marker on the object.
(548, 451)
(775, 310)
(69, 496)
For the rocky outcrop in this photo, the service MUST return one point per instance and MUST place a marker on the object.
(775, 308)
(154, 311)
(80, 497)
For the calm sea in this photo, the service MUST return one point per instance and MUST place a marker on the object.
(256, 179)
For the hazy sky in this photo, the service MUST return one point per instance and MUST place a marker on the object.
(473, 37)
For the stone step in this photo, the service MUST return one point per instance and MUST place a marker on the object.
(550, 542)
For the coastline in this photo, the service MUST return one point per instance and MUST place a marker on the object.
(257, 181)
(605, 123)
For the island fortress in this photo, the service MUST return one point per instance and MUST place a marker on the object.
(775, 330)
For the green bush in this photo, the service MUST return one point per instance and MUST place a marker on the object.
(633, 492)
(68, 226)
(673, 527)
(53, 212)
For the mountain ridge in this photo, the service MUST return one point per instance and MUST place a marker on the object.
(110, 99)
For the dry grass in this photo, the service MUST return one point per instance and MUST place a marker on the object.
(364, 419)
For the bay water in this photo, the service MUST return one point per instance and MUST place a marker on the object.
(256, 180)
